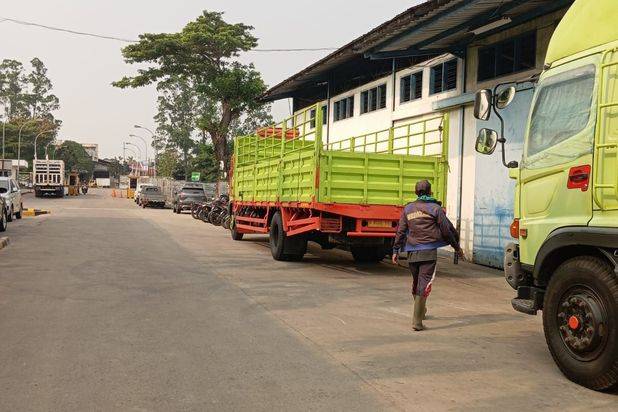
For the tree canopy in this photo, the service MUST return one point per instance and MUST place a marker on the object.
(197, 67)
(75, 158)
(28, 105)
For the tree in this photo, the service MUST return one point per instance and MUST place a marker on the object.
(202, 54)
(27, 96)
(167, 162)
(40, 101)
(175, 116)
(75, 158)
(12, 88)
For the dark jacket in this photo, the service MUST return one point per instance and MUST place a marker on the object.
(424, 226)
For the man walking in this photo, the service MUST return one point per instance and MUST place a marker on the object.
(423, 228)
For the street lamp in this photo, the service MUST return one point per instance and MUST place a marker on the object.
(37, 137)
(140, 154)
(153, 136)
(124, 153)
(19, 137)
(146, 146)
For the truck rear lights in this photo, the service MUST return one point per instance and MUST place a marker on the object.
(579, 178)
(515, 228)
(378, 223)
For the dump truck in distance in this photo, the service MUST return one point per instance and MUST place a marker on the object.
(565, 260)
(288, 183)
(48, 177)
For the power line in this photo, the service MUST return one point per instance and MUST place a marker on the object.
(80, 33)
(125, 40)
(295, 50)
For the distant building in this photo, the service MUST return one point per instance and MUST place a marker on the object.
(11, 167)
(92, 149)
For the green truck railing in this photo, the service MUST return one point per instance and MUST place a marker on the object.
(289, 162)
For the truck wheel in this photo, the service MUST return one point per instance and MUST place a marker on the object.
(283, 247)
(580, 320)
(3, 222)
(9, 215)
(37, 193)
(235, 234)
(18, 214)
(368, 254)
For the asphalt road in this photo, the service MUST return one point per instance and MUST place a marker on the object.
(105, 306)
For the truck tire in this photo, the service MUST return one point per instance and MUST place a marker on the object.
(9, 215)
(368, 254)
(18, 214)
(283, 247)
(37, 193)
(60, 192)
(3, 220)
(580, 321)
(235, 234)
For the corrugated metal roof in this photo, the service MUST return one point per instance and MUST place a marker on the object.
(428, 28)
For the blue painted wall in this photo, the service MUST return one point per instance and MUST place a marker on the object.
(494, 191)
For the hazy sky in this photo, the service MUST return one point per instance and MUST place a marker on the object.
(82, 68)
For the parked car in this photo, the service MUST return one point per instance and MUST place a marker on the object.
(10, 191)
(3, 218)
(185, 197)
(138, 191)
(151, 196)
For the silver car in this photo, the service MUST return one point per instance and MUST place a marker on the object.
(10, 191)
(3, 218)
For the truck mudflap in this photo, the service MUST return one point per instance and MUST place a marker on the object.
(513, 272)
(529, 300)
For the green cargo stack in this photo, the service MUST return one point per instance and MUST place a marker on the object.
(379, 168)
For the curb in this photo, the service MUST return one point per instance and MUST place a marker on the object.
(34, 212)
(4, 242)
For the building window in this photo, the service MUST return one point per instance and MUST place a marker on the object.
(373, 99)
(344, 108)
(443, 77)
(510, 56)
(411, 87)
(324, 116)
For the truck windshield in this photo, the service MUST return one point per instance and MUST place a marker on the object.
(562, 108)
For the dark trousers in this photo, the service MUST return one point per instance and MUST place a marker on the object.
(423, 274)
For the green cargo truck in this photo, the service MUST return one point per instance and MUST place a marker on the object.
(287, 182)
(565, 262)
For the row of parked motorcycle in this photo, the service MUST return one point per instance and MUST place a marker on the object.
(215, 212)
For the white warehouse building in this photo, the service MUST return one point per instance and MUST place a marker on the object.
(429, 61)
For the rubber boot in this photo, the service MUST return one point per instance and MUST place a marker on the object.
(419, 313)
(424, 312)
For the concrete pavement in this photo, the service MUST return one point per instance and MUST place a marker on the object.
(107, 306)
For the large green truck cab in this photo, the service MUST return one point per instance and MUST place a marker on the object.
(565, 260)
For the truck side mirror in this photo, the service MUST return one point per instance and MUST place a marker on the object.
(482, 104)
(505, 97)
(486, 141)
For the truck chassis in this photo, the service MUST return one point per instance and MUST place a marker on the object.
(366, 231)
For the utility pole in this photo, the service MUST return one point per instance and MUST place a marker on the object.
(153, 136)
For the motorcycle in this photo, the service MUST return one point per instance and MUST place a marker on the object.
(218, 212)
